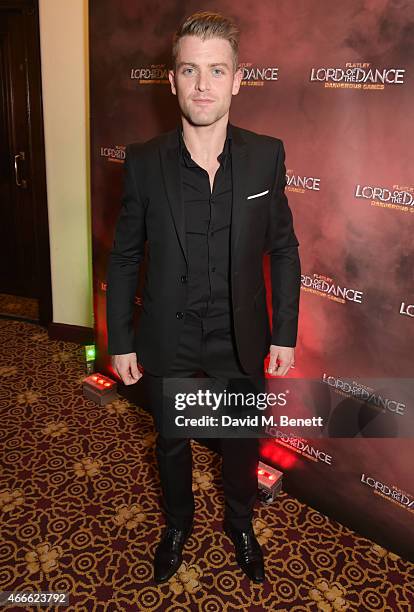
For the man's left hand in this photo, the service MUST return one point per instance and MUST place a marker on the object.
(282, 358)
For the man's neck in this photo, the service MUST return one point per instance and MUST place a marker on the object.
(206, 142)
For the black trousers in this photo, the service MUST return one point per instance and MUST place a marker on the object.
(206, 348)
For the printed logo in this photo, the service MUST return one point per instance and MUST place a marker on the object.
(254, 76)
(390, 492)
(365, 394)
(300, 184)
(300, 446)
(357, 75)
(114, 153)
(154, 74)
(407, 309)
(399, 198)
(325, 287)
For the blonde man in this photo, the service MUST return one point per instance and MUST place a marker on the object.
(208, 198)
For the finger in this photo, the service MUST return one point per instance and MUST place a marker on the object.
(282, 369)
(272, 363)
(124, 377)
(118, 372)
(134, 372)
(130, 380)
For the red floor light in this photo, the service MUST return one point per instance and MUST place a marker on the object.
(99, 388)
(270, 482)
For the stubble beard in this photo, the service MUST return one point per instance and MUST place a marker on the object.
(201, 119)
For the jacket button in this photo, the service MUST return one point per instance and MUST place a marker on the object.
(179, 315)
(184, 278)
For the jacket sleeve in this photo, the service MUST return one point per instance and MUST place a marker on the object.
(123, 264)
(282, 245)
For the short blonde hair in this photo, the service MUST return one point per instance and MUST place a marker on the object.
(208, 25)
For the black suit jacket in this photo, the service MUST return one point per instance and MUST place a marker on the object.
(152, 213)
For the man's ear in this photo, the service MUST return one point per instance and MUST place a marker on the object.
(237, 79)
(171, 78)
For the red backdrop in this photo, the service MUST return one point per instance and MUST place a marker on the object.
(335, 83)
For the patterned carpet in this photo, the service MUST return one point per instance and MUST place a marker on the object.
(79, 510)
(19, 307)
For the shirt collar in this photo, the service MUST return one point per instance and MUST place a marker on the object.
(184, 152)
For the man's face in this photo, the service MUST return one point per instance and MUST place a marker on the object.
(204, 79)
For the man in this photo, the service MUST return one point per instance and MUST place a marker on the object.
(208, 201)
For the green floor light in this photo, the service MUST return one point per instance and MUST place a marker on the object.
(90, 352)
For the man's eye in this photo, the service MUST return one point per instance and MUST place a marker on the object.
(188, 70)
(218, 71)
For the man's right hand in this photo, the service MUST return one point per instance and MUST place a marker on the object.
(127, 368)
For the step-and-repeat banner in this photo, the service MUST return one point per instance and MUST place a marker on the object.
(335, 83)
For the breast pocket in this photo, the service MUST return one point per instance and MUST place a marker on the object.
(258, 198)
(257, 211)
(258, 194)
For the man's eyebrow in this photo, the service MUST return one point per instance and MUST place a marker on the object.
(180, 64)
(185, 64)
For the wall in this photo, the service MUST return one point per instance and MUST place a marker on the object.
(65, 78)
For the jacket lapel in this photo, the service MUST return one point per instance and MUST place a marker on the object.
(239, 173)
(170, 165)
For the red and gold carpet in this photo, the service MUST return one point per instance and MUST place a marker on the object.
(79, 510)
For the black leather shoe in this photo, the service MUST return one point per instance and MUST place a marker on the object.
(168, 554)
(249, 555)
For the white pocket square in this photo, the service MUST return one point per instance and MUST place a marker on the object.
(257, 195)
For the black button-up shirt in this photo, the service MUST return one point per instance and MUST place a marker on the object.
(207, 221)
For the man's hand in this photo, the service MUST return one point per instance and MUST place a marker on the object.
(282, 358)
(127, 368)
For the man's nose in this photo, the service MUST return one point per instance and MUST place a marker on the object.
(203, 81)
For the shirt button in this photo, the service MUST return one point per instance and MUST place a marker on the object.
(213, 269)
(179, 315)
(211, 233)
(184, 278)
